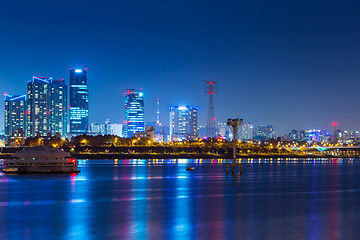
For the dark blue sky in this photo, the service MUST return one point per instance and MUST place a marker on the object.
(294, 64)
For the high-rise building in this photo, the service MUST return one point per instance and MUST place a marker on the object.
(183, 123)
(316, 135)
(58, 107)
(46, 107)
(116, 129)
(245, 131)
(79, 102)
(38, 106)
(264, 132)
(15, 118)
(95, 128)
(222, 129)
(193, 124)
(134, 112)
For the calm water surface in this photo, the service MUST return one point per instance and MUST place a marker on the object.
(159, 199)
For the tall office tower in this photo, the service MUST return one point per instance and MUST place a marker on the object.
(58, 107)
(15, 118)
(183, 123)
(245, 131)
(38, 106)
(134, 112)
(79, 102)
(192, 127)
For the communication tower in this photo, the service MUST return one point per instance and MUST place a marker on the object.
(210, 89)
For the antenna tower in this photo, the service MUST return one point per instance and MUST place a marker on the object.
(158, 112)
(210, 89)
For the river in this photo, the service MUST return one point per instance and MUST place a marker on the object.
(159, 199)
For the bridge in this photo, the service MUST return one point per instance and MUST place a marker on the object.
(336, 151)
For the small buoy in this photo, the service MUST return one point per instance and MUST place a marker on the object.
(190, 168)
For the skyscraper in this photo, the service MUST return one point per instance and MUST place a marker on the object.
(245, 131)
(38, 106)
(183, 123)
(134, 112)
(79, 102)
(46, 107)
(58, 107)
(193, 124)
(15, 110)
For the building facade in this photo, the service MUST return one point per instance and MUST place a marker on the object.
(38, 106)
(134, 112)
(264, 132)
(15, 114)
(79, 102)
(58, 107)
(107, 129)
(149, 133)
(183, 123)
(222, 129)
(245, 132)
(46, 107)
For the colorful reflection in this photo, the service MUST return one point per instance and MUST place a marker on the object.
(159, 199)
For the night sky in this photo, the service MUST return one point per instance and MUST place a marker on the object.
(293, 64)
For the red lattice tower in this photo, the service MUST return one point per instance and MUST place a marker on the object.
(211, 90)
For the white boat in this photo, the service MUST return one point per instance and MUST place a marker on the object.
(41, 160)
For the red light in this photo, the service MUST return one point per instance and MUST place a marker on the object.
(211, 82)
(213, 119)
(124, 122)
(334, 124)
(5, 94)
(48, 112)
(85, 69)
(72, 160)
(211, 92)
(69, 106)
(27, 112)
(70, 69)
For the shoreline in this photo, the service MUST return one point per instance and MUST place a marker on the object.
(185, 156)
(191, 156)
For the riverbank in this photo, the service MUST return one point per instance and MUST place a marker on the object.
(181, 155)
(189, 156)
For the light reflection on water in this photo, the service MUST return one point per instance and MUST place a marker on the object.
(159, 199)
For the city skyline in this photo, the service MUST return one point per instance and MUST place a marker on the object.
(164, 116)
(276, 64)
